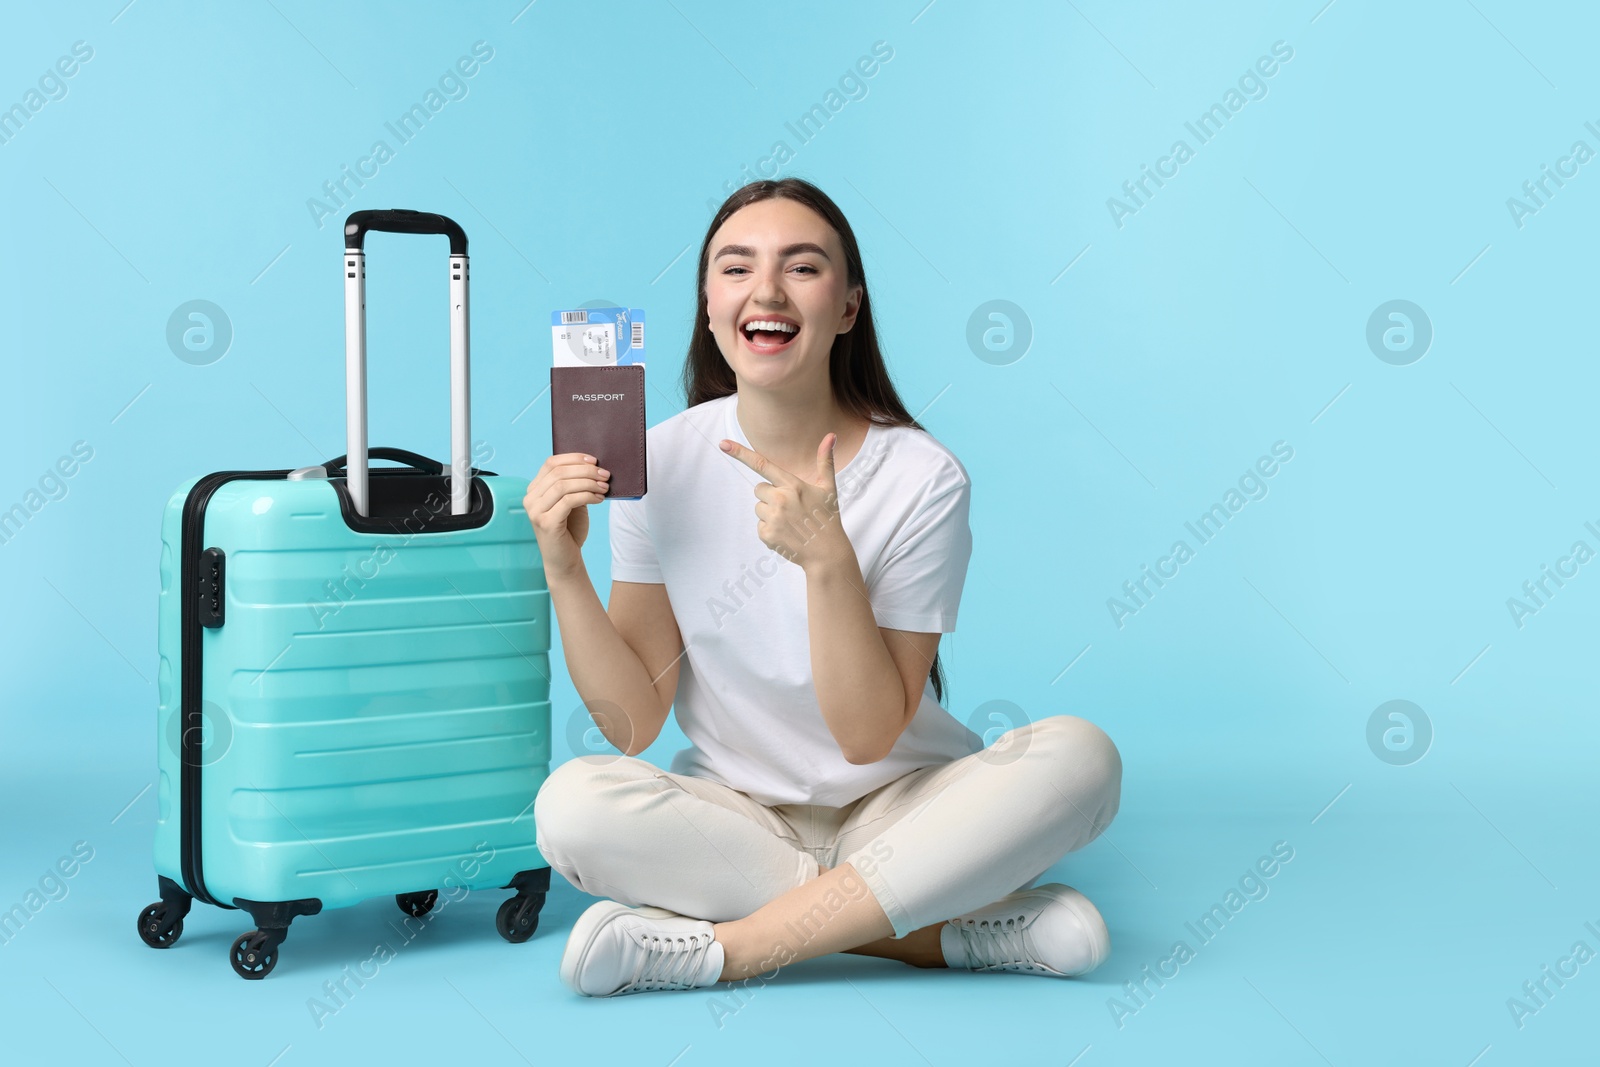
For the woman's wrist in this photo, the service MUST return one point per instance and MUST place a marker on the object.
(560, 577)
(834, 565)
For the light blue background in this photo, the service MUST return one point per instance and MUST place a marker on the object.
(1228, 313)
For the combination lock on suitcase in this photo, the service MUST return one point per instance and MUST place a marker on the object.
(354, 681)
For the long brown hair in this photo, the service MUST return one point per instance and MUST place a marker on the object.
(861, 384)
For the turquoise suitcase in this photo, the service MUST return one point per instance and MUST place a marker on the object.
(354, 677)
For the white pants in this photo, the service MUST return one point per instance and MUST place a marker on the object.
(933, 844)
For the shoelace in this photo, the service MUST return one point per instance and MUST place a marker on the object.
(991, 944)
(668, 962)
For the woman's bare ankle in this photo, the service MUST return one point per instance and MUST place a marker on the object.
(919, 948)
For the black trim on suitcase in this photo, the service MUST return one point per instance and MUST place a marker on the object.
(417, 505)
(276, 915)
(193, 732)
(411, 502)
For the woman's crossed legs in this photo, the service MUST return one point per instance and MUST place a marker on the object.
(905, 858)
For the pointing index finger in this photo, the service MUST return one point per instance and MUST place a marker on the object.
(758, 463)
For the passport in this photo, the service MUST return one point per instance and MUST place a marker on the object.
(599, 410)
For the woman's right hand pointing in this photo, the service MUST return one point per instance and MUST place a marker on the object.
(557, 505)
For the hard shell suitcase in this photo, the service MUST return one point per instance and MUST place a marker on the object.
(354, 674)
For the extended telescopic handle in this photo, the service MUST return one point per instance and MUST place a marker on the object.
(400, 220)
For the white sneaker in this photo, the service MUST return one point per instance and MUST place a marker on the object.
(1051, 929)
(614, 949)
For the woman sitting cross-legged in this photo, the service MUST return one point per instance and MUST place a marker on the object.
(828, 802)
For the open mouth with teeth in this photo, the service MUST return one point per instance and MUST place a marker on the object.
(769, 335)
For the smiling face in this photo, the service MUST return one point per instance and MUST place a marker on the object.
(778, 265)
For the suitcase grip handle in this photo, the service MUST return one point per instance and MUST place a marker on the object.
(402, 220)
(398, 455)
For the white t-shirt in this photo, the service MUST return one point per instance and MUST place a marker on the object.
(746, 699)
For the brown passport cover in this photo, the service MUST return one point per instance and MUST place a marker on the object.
(600, 411)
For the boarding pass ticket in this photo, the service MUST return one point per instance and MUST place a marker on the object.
(598, 337)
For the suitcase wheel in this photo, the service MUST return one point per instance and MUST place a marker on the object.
(256, 953)
(417, 905)
(160, 926)
(162, 922)
(518, 917)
